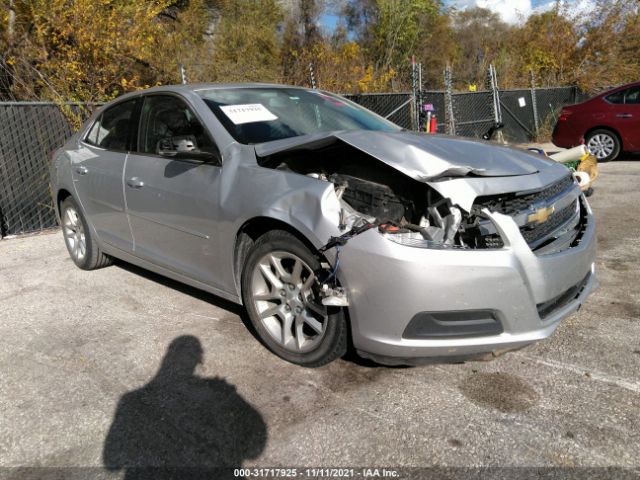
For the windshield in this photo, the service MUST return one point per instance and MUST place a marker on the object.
(256, 115)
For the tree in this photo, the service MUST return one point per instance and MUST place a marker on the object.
(340, 67)
(188, 40)
(480, 38)
(391, 31)
(83, 50)
(301, 32)
(246, 42)
(547, 44)
(609, 46)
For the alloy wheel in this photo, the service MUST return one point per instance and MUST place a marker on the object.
(283, 293)
(601, 145)
(74, 234)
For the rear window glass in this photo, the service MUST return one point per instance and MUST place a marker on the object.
(627, 96)
(112, 130)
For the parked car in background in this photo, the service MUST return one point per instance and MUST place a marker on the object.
(608, 123)
(330, 224)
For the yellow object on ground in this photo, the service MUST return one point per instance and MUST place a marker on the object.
(588, 164)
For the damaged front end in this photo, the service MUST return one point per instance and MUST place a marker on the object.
(417, 193)
(373, 194)
(529, 228)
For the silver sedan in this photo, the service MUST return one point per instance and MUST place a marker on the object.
(334, 228)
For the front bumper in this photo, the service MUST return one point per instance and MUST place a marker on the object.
(389, 284)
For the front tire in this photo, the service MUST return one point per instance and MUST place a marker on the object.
(81, 245)
(603, 144)
(281, 295)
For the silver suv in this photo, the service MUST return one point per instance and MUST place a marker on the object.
(331, 225)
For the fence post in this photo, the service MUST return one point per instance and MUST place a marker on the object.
(495, 93)
(534, 103)
(448, 99)
(312, 76)
(414, 96)
(420, 100)
(183, 74)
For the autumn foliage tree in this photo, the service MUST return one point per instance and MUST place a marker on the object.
(87, 50)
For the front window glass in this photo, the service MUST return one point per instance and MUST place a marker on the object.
(256, 115)
(168, 124)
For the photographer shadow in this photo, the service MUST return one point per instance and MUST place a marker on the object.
(180, 425)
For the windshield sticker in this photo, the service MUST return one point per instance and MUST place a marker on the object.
(253, 112)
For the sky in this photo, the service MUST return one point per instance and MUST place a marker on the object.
(511, 11)
(514, 11)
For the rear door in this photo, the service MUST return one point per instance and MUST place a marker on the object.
(97, 169)
(173, 204)
(625, 116)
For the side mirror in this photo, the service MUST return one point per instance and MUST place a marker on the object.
(186, 148)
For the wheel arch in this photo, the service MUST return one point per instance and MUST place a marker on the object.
(61, 196)
(250, 231)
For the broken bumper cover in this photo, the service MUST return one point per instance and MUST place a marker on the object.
(525, 294)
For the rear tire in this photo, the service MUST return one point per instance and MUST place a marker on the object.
(282, 299)
(81, 245)
(603, 144)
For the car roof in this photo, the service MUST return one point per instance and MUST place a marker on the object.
(195, 87)
(617, 89)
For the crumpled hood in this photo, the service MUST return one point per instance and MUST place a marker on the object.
(420, 156)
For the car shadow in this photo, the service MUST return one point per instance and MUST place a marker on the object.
(193, 292)
(181, 425)
(628, 156)
(350, 357)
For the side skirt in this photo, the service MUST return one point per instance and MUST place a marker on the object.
(127, 257)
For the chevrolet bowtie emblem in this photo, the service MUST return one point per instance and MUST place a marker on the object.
(541, 215)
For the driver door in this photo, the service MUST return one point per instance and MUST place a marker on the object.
(173, 203)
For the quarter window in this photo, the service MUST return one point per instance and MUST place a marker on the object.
(112, 130)
(616, 98)
(168, 124)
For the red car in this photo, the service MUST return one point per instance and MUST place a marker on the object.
(607, 123)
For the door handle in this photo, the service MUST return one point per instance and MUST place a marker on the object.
(624, 115)
(135, 182)
(81, 170)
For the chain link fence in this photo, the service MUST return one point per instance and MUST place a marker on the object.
(525, 113)
(397, 107)
(29, 131)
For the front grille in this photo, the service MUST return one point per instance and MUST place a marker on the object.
(533, 233)
(547, 308)
(512, 204)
